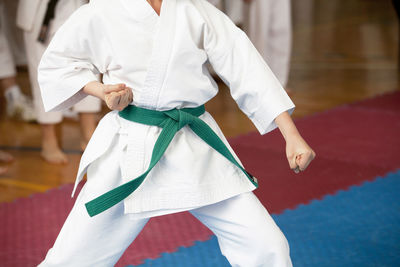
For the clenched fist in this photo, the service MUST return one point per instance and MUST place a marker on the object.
(116, 96)
(298, 152)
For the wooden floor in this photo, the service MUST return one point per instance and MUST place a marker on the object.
(343, 51)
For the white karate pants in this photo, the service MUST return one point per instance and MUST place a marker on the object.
(234, 9)
(7, 65)
(247, 235)
(268, 25)
(11, 45)
(35, 50)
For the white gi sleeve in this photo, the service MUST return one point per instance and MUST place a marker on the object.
(235, 59)
(69, 62)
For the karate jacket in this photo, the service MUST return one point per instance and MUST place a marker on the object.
(164, 60)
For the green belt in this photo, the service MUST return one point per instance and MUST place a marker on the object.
(171, 121)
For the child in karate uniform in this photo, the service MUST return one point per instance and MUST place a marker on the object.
(159, 152)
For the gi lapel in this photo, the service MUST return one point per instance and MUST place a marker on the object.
(162, 50)
(139, 9)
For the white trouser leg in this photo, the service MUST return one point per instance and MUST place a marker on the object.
(13, 33)
(268, 24)
(100, 240)
(246, 233)
(7, 65)
(234, 9)
(34, 52)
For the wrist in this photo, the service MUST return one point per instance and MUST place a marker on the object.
(291, 134)
(95, 88)
(293, 137)
(287, 127)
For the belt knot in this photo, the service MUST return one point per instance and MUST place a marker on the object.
(182, 117)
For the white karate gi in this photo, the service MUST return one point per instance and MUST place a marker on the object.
(163, 59)
(30, 17)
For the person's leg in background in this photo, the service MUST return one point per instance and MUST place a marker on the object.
(18, 105)
(51, 150)
(246, 233)
(268, 24)
(14, 33)
(234, 9)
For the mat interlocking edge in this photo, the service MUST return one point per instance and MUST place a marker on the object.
(362, 143)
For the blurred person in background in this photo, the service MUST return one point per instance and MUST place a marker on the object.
(39, 20)
(268, 25)
(18, 104)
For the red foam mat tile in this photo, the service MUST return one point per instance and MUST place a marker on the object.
(165, 234)
(354, 135)
(280, 188)
(389, 102)
(28, 226)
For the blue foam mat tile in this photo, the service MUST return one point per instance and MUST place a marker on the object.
(357, 227)
(202, 254)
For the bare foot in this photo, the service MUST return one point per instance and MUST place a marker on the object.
(54, 156)
(51, 152)
(5, 157)
(3, 170)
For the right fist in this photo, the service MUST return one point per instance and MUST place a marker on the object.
(117, 96)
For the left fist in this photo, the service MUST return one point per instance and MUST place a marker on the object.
(299, 154)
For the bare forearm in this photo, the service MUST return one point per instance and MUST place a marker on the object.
(286, 126)
(95, 88)
(298, 152)
(116, 96)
